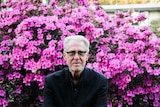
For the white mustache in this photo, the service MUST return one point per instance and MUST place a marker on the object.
(76, 63)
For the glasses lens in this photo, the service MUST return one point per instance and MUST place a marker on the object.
(81, 53)
(72, 53)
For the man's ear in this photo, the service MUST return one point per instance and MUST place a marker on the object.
(64, 55)
(88, 55)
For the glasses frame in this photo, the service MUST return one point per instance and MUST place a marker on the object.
(73, 53)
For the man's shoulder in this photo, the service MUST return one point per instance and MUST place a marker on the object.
(94, 74)
(97, 78)
(57, 74)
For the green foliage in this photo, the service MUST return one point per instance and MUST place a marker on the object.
(154, 25)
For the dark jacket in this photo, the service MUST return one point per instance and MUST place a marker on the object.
(91, 91)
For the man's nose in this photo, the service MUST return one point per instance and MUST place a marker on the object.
(76, 56)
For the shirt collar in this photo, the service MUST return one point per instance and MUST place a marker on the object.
(69, 75)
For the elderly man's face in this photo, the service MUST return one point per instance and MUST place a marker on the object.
(76, 56)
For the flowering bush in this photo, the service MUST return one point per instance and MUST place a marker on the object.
(31, 46)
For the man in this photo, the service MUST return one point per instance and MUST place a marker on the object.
(75, 86)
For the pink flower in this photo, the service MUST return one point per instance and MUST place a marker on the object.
(53, 2)
(127, 79)
(108, 74)
(83, 2)
(5, 103)
(48, 37)
(142, 57)
(21, 41)
(139, 90)
(46, 64)
(140, 45)
(38, 78)
(52, 43)
(59, 54)
(156, 89)
(130, 93)
(30, 65)
(129, 64)
(28, 79)
(156, 103)
(9, 76)
(151, 96)
(89, 65)
(31, 49)
(145, 99)
(141, 17)
(27, 34)
(156, 72)
(115, 64)
(5, 57)
(40, 98)
(2, 93)
(16, 75)
(18, 91)
(96, 66)
(1, 72)
(99, 55)
(5, 65)
(50, 26)
(120, 104)
(98, 32)
(47, 52)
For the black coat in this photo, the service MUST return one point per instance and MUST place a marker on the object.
(91, 91)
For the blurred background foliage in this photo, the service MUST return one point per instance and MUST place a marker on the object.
(155, 26)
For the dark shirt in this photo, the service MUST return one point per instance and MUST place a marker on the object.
(90, 91)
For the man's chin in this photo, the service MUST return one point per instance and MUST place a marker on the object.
(77, 69)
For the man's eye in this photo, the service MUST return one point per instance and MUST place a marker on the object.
(81, 52)
(72, 52)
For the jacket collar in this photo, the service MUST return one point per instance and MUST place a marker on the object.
(84, 75)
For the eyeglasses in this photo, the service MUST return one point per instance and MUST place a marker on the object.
(73, 53)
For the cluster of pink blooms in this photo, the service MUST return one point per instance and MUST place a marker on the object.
(32, 47)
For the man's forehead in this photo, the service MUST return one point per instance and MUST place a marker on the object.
(76, 48)
(76, 42)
